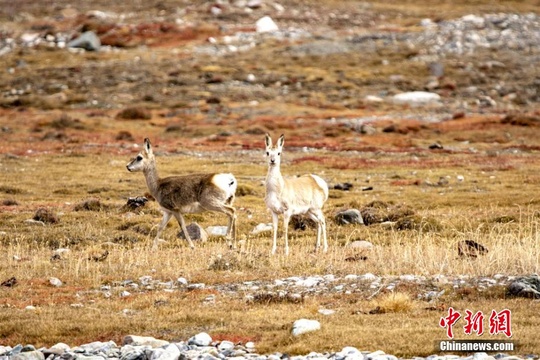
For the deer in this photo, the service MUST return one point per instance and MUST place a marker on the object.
(187, 194)
(306, 194)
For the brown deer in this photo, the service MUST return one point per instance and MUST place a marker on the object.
(179, 195)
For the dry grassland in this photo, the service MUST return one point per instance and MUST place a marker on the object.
(496, 205)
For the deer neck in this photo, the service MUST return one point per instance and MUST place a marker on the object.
(274, 180)
(152, 178)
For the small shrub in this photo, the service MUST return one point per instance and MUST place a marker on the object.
(46, 216)
(395, 302)
(10, 190)
(90, 205)
(134, 113)
(243, 190)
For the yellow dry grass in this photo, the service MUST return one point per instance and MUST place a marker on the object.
(496, 205)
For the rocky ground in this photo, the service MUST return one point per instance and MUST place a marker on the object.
(230, 60)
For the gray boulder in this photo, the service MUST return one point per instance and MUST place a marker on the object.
(528, 287)
(195, 231)
(351, 216)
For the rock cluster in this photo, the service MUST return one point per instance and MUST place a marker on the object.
(200, 346)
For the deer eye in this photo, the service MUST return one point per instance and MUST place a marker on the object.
(278, 154)
(139, 158)
(267, 153)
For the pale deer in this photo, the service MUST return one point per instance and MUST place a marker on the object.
(293, 196)
(194, 193)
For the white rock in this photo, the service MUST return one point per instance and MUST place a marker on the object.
(55, 282)
(60, 347)
(29, 37)
(261, 228)
(350, 353)
(217, 230)
(135, 340)
(169, 352)
(416, 98)
(182, 281)
(373, 99)
(460, 178)
(30, 307)
(407, 277)
(201, 339)
(225, 345)
(266, 24)
(303, 326)
(361, 245)
(351, 277)
(368, 277)
(374, 354)
(327, 311)
(309, 282)
(125, 293)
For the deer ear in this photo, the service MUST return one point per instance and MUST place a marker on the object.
(281, 141)
(147, 146)
(268, 141)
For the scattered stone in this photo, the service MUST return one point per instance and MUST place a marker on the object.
(326, 312)
(135, 340)
(343, 187)
(168, 352)
(11, 282)
(303, 326)
(225, 345)
(34, 222)
(88, 41)
(361, 245)
(261, 228)
(266, 24)
(471, 248)
(135, 203)
(216, 230)
(351, 216)
(201, 339)
(416, 98)
(28, 355)
(301, 222)
(55, 282)
(528, 287)
(435, 146)
(195, 231)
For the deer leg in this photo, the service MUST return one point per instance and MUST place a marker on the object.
(322, 228)
(286, 218)
(182, 224)
(275, 220)
(166, 217)
(318, 217)
(231, 227)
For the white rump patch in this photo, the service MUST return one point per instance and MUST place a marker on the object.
(226, 182)
(322, 184)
